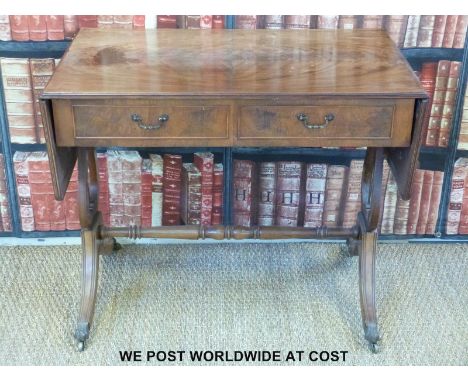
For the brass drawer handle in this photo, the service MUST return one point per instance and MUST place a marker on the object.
(305, 120)
(138, 119)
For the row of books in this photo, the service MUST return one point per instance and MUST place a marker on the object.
(292, 193)
(23, 82)
(5, 216)
(441, 81)
(463, 137)
(457, 216)
(61, 27)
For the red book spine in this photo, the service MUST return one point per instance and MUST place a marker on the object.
(139, 22)
(172, 172)
(316, 179)
(267, 176)
(146, 193)
(5, 29)
(246, 21)
(337, 177)
(72, 214)
(19, 28)
(463, 226)
(166, 21)
(205, 163)
(288, 193)
(449, 33)
(70, 26)
(425, 203)
(460, 171)
(131, 187)
(24, 190)
(449, 104)
(37, 28)
(425, 32)
(42, 193)
(103, 187)
(439, 30)
(218, 183)
(415, 202)
(4, 203)
(114, 171)
(352, 196)
(218, 21)
(55, 27)
(206, 22)
(243, 188)
(428, 80)
(297, 22)
(435, 202)
(87, 21)
(460, 32)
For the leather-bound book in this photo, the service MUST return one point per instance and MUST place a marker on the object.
(70, 26)
(267, 176)
(412, 29)
(218, 185)
(116, 204)
(297, 22)
(327, 21)
(434, 202)
(87, 21)
(460, 172)
(274, 21)
(24, 190)
(426, 30)
(316, 179)
(415, 202)
(246, 21)
(146, 192)
(243, 205)
(352, 196)
(5, 220)
(396, 27)
(439, 31)
(157, 189)
(372, 21)
(131, 186)
(385, 175)
(449, 104)
(348, 22)
(172, 179)
(424, 205)
(206, 21)
(463, 138)
(400, 224)
(290, 180)
(460, 32)
(19, 25)
(188, 21)
(390, 201)
(463, 226)
(337, 178)
(437, 104)
(41, 71)
(205, 163)
(103, 179)
(449, 33)
(16, 75)
(123, 22)
(138, 22)
(105, 21)
(70, 204)
(428, 79)
(191, 196)
(5, 29)
(218, 21)
(55, 27)
(166, 21)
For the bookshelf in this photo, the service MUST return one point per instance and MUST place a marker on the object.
(431, 158)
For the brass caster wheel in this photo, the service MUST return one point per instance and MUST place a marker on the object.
(116, 246)
(374, 347)
(80, 346)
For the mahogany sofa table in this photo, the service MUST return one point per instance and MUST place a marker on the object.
(232, 88)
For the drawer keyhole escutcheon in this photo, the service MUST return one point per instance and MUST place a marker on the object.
(138, 119)
(305, 120)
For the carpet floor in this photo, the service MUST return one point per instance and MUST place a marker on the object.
(237, 296)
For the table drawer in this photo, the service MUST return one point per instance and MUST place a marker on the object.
(145, 124)
(327, 123)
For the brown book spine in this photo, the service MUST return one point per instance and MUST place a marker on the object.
(218, 183)
(439, 31)
(412, 29)
(352, 204)
(337, 177)
(428, 80)
(372, 21)
(463, 226)
(55, 27)
(415, 202)
(449, 32)
(218, 21)
(24, 190)
(460, 172)
(437, 104)
(123, 22)
(327, 21)
(390, 201)
(348, 22)
(424, 205)
(426, 30)
(246, 21)
(435, 202)
(449, 103)
(267, 177)
(70, 204)
(19, 28)
(42, 194)
(103, 187)
(316, 179)
(166, 21)
(172, 179)
(288, 193)
(87, 21)
(5, 29)
(37, 28)
(191, 195)
(5, 221)
(463, 137)
(114, 172)
(396, 27)
(157, 193)
(205, 163)
(131, 187)
(460, 32)
(385, 175)
(70, 26)
(138, 22)
(188, 22)
(297, 22)
(243, 192)
(206, 22)
(401, 216)
(274, 22)
(146, 192)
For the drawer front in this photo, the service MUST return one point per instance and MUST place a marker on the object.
(140, 124)
(351, 124)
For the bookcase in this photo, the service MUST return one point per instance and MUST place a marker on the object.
(431, 158)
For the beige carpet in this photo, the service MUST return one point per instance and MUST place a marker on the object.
(298, 296)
